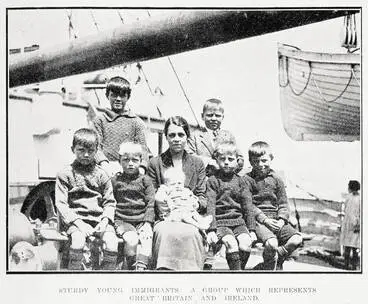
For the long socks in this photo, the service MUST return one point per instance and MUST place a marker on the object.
(269, 260)
(109, 260)
(282, 253)
(233, 260)
(131, 261)
(75, 259)
(244, 257)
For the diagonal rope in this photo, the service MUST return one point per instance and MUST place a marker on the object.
(94, 20)
(182, 88)
(71, 27)
(120, 16)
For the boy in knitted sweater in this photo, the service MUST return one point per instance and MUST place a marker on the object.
(176, 203)
(85, 202)
(230, 204)
(117, 126)
(134, 214)
(280, 239)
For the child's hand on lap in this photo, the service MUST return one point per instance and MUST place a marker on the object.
(280, 223)
(119, 230)
(253, 236)
(212, 238)
(101, 227)
(84, 227)
(272, 224)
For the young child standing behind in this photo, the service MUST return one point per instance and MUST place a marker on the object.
(176, 203)
(85, 201)
(230, 203)
(204, 141)
(280, 239)
(134, 214)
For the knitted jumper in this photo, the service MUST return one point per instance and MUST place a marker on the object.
(113, 129)
(271, 198)
(84, 192)
(134, 195)
(230, 201)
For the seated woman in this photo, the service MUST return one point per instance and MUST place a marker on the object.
(177, 245)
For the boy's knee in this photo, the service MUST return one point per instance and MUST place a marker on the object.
(230, 243)
(271, 244)
(130, 239)
(296, 240)
(111, 241)
(245, 242)
(78, 239)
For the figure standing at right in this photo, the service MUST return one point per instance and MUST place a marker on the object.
(350, 228)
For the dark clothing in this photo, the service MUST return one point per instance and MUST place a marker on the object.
(203, 143)
(271, 198)
(114, 129)
(177, 245)
(235, 231)
(283, 235)
(194, 171)
(230, 201)
(134, 195)
(84, 192)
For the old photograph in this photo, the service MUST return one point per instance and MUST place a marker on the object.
(177, 142)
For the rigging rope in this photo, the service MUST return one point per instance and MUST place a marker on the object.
(121, 17)
(94, 21)
(71, 27)
(182, 88)
(356, 79)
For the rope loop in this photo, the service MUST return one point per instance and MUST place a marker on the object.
(306, 84)
(342, 92)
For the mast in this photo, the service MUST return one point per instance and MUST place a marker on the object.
(155, 37)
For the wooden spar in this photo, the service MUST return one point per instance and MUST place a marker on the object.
(155, 37)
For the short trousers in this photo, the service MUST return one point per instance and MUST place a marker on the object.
(72, 228)
(232, 230)
(283, 235)
(126, 227)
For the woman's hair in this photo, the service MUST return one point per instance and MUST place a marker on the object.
(225, 148)
(258, 149)
(354, 185)
(178, 121)
(119, 86)
(131, 148)
(86, 138)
